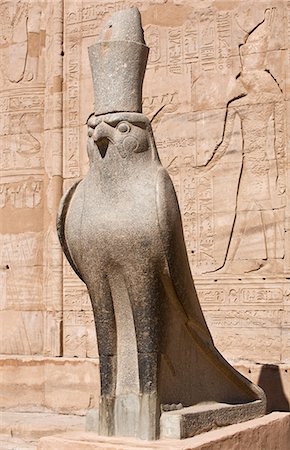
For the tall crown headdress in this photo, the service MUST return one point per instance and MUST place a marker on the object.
(118, 62)
(253, 51)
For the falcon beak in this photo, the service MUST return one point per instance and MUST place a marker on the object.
(103, 144)
(102, 137)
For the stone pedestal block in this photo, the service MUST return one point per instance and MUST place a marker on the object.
(268, 433)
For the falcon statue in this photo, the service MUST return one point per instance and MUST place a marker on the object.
(120, 229)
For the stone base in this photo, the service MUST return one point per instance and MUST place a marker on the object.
(188, 422)
(268, 433)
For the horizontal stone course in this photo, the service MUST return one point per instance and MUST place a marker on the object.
(270, 432)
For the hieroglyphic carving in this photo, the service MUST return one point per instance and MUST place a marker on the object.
(21, 130)
(287, 91)
(191, 41)
(71, 168)
(156, 102)
(237, 315)
(202, 41)
(21, 194)
(224, 40)
(196, 205)
(251, 344)
(53, 333)
(153, 40)
(79, 335)
(208, 41)
(174, 50)
(21, 258)
(261, 183)
(53, 165)
(23, 44)
(245, 319)
(192, 69)
(21, 332)
(249, 296)
(23, 38)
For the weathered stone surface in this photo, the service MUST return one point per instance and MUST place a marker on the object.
(121, 231)
(60, 385)
(274, 380)
(192, 69)
(9, 443)
(33, 426)
(71, 385)
(187, 422)
(121, 46)
(30, 173)
(192, 66)
(268, 433)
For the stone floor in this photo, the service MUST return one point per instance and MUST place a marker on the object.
(21, 431)
(271, 432)
(10, 443)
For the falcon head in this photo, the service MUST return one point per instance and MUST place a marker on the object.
(129, 133)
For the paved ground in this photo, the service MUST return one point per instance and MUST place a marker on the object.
(9, 443)
(21, 431)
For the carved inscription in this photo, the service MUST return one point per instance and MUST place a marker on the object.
(242, 317)
(153, 40)
(21, 270)
(203, 41)
(224, 40)
(217, 71)
(72, 141)
(27, 194)
(21, 136)
(21, 332)
(241, 296)
(256, 240)
(245, 319)
(196, 198)
(79, 326)
(23, 36)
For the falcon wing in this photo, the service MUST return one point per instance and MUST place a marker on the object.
(179, 279)
(60, 225)
(181, 289)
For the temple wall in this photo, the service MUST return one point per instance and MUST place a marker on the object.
(236, 213)
(217, 91)
(31, 176)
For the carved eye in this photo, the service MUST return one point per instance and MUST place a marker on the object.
(123, 127)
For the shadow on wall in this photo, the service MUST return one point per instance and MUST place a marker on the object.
(270, 381)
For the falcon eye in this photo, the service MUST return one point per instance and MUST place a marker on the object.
(123, 127)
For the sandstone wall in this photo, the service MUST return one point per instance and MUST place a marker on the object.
(220, 70)
(31, 176)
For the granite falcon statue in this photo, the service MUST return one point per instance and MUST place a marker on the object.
(121, 230)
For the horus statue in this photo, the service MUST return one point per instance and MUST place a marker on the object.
(121, 231)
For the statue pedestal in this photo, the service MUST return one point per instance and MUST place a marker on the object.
(268, 432)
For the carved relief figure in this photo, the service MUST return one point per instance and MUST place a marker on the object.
(120, 229)
(22, 39)
(261, 186)
(24, 149)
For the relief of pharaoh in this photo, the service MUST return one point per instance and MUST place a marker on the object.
(260, 195)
